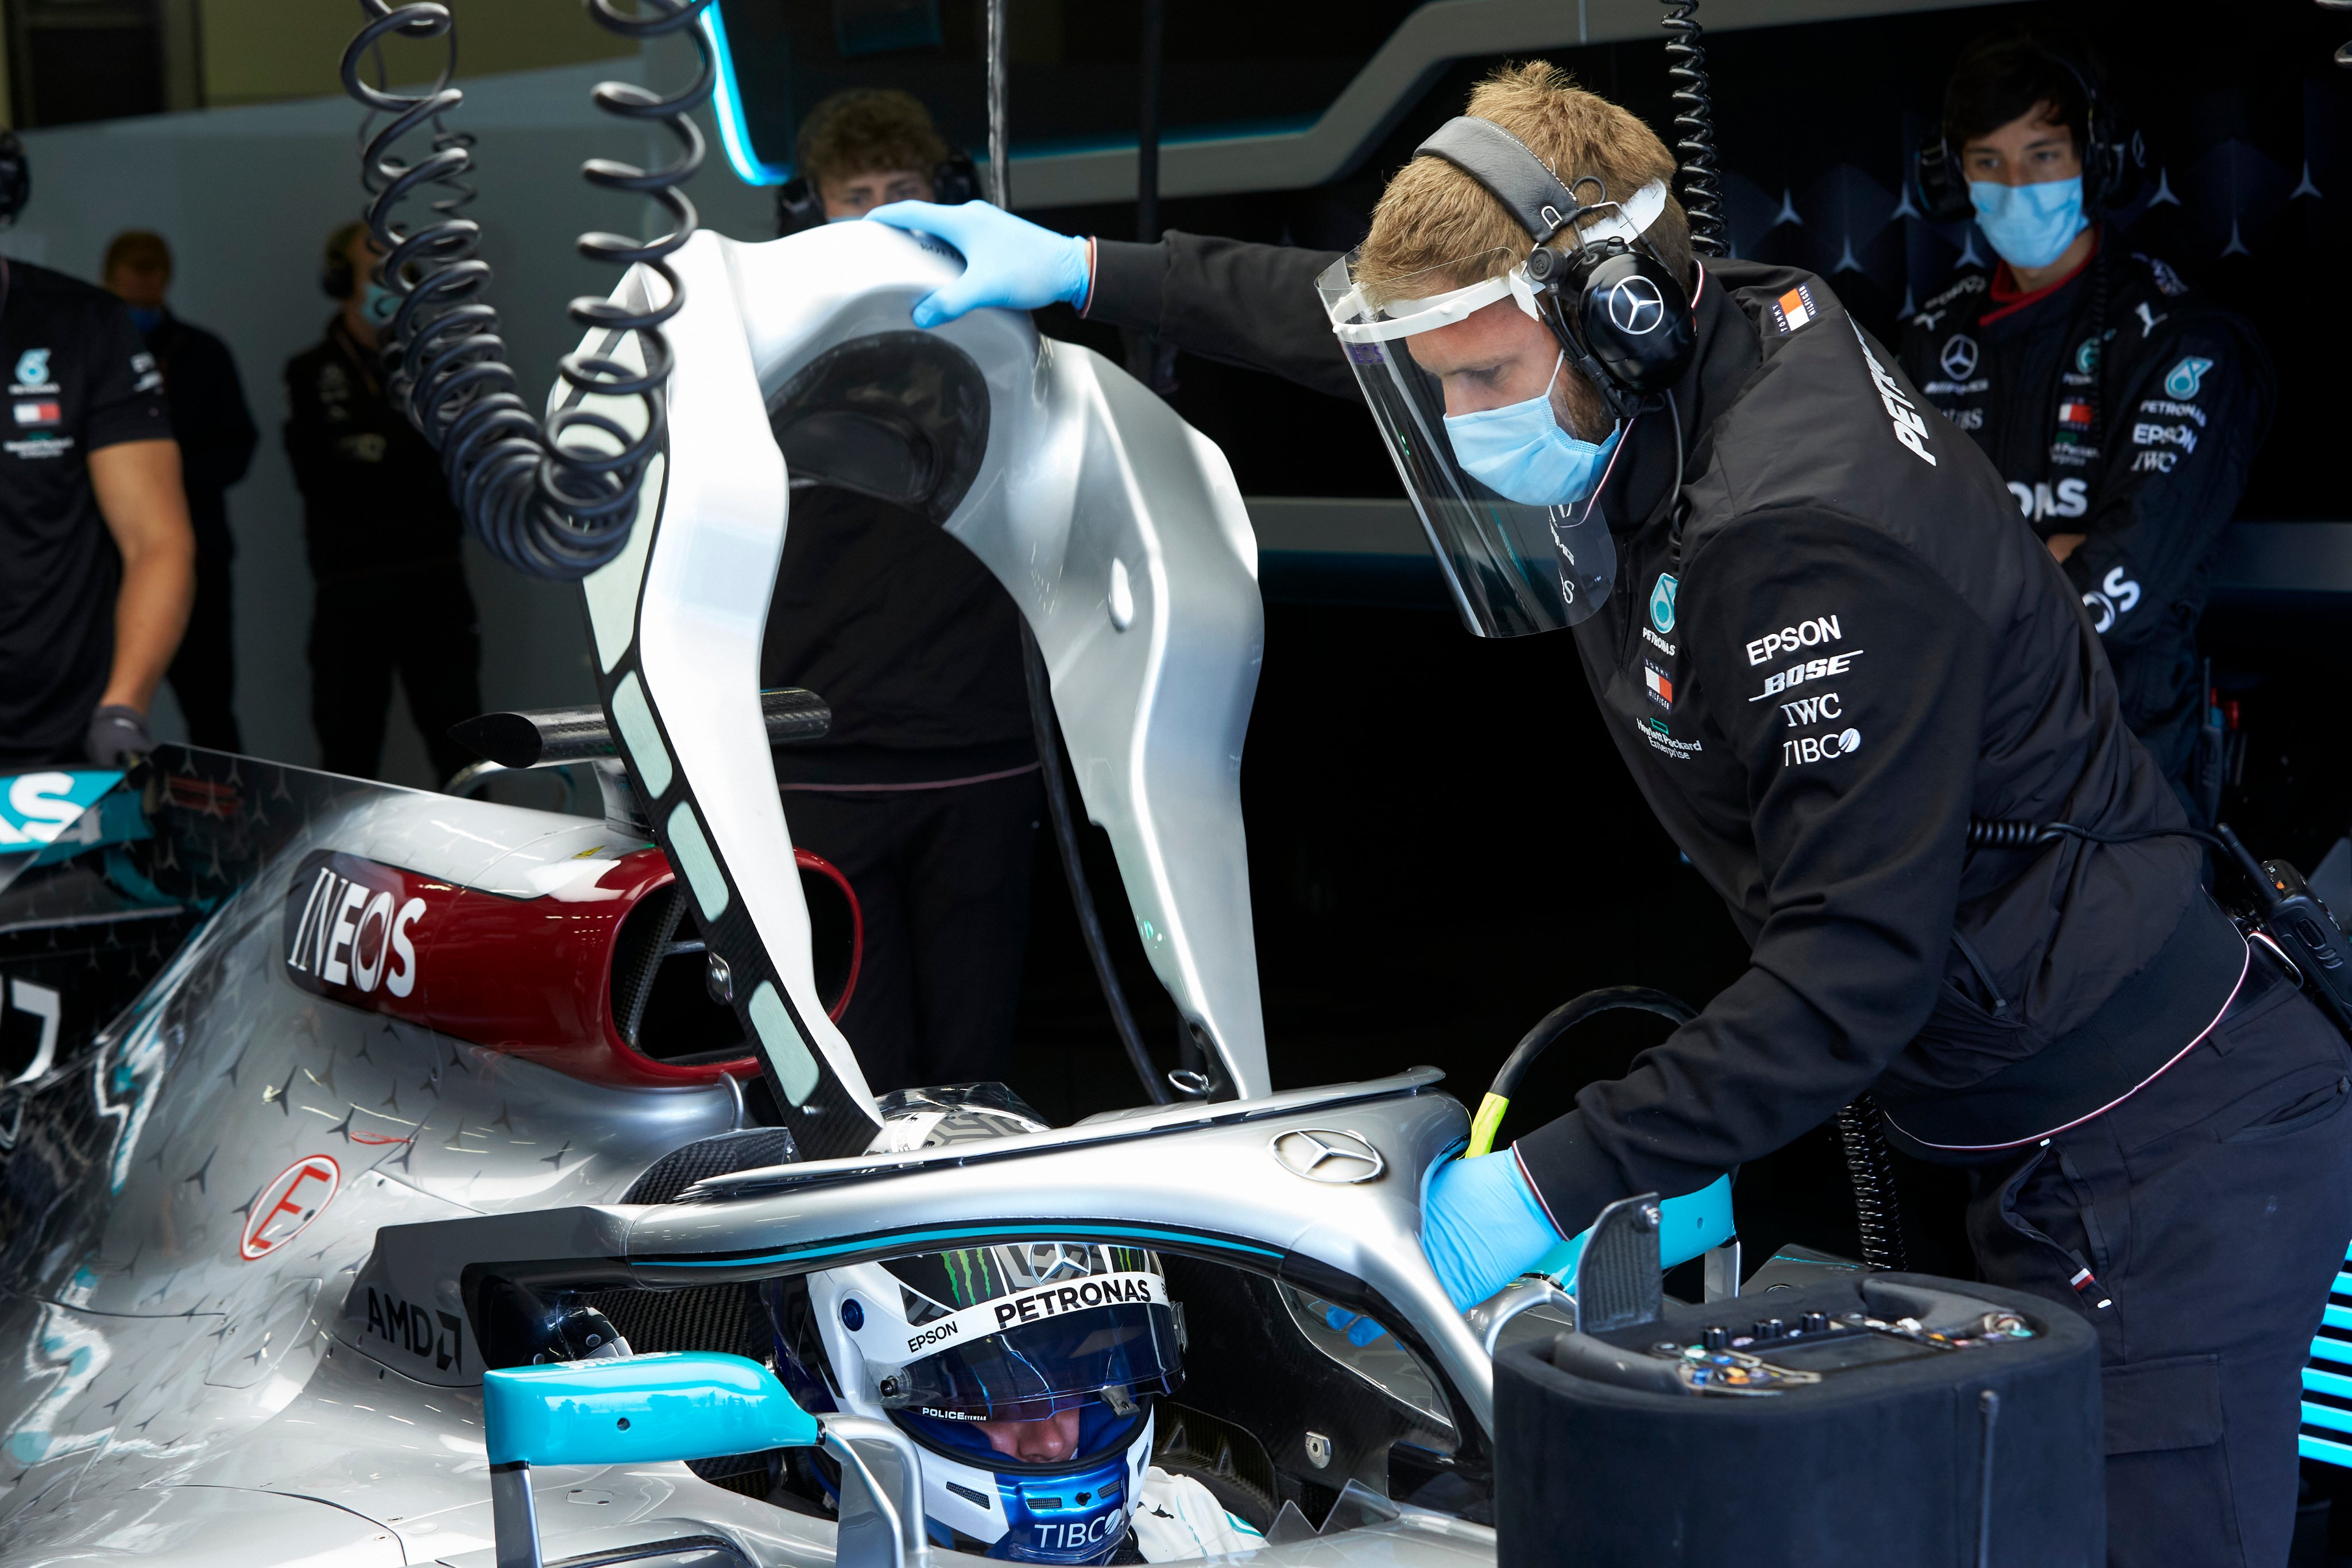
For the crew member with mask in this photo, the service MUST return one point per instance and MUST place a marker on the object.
(2122, 407)
(382, 536)
(1823, 642)
(216, 440)
(925, 793)
(96, 555)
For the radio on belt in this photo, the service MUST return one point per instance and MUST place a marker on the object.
(1874, 1418)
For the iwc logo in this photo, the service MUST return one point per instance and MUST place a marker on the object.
(1661, 603)
(1320, 1155)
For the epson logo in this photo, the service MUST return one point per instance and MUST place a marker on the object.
(931, 1335)
(1805, 634)
(345, 929)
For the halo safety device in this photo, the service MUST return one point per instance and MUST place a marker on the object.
(2114, 161)
(801, 206)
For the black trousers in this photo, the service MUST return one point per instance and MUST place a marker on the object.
(420, 624)
(2198, 1227)
(204, 670)
(943, 878)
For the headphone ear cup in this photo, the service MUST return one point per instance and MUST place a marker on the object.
(1942, 191)
(955, 180)
(1633, 316)
(799, 207)
(335, 277)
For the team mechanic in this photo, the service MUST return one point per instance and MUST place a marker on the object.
(2122, 407)
(1839, 644)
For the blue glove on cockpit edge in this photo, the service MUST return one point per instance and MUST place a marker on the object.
(1009, 263)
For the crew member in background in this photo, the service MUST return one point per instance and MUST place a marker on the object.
(96, 559)
(382, 536)
(2122, 407)
(216, 440)
(926, 792)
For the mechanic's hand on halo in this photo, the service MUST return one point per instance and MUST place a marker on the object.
(1481, 1226)
(1008, 262)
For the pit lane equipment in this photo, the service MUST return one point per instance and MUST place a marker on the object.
(1961, 1424)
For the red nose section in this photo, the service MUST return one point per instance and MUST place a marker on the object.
(532, 977)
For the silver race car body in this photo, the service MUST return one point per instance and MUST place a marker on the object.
(408, 1086)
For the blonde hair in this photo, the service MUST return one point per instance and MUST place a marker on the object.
(1434, 219)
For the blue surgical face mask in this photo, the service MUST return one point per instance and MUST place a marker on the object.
(1519, 451)
(2030, 226)
(379, 305)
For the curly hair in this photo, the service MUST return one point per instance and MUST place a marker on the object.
(868, 130)
(1434, 218)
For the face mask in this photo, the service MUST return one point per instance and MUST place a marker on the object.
(379, 305)
(1520, 452)
(2030, 226)
(146, 318)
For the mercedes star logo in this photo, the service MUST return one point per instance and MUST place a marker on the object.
(1636, 306)
(1959, 356)
(1320, 1155)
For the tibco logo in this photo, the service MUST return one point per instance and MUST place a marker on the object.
(1820, 749)
(351, 926)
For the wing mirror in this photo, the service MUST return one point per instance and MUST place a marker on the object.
(688, 1405)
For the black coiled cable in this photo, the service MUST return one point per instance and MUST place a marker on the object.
(1702, 197)
(542, 498)
(1871, 1170)
(1998, 834)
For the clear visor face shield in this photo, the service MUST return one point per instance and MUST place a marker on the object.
(1539, 558)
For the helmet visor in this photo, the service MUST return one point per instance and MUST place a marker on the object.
(1035, 1369)
(1513, 566)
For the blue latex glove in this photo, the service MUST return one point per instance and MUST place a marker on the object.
(1481, 1225)
(1008, 261)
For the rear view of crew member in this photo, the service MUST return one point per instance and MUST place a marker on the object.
(2122, 407)
(96, 554)
(1822, 642)
(382, 536)
(925, 793)
(216, 440)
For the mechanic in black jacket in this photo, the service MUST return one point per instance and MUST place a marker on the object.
(1824, 651)
(382, 535)
(2122, 407)
(925, 793)
(216, 440)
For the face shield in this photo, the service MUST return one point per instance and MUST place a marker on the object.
(1503, 490)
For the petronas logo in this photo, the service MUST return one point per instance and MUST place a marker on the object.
(1662, 604)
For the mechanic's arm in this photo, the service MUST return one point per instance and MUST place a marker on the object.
(137, 483)
(1859, 783)
(2179, 443)
(1248, 305)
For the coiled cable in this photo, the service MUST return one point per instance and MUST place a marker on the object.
(1870, 1169)
(2005, 834)
(1702, 196)
(554, 499)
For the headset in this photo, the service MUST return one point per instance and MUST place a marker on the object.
(335, 266)
(2113, 161)
(16, 178)
(800, 205)
(1621, 315)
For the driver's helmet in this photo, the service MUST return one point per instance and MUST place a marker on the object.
(940, 1342)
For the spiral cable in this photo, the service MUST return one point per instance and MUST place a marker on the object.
(1870, 1167)
(1702, 196)
(554, 499)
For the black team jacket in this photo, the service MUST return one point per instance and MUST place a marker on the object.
(1865, 646)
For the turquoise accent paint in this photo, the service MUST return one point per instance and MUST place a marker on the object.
(695, 858)
(1026, 1228)
(788, 1054)
(641, 735)
(1694, 1223)
(639, 1409)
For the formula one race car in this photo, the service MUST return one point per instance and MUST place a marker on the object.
(329, 1105)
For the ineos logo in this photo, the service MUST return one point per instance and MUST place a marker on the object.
(1320, 1155)
(1636, 307)
(1960, 357)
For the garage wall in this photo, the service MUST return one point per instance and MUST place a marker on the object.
(245, 196)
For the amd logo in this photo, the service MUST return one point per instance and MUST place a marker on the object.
(423, 1333)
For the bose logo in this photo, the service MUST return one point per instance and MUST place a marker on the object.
(1807, 634)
